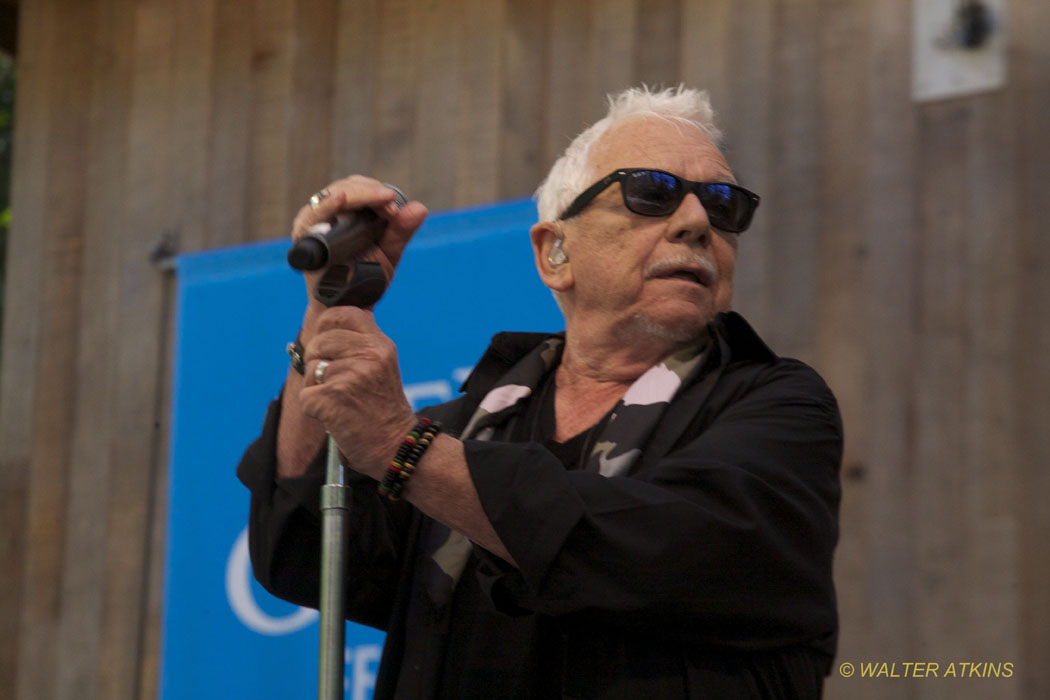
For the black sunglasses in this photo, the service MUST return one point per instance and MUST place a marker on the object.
(650, 192)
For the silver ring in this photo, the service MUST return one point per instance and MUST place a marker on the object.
(317, 197)
(319, 371)
(400, 200)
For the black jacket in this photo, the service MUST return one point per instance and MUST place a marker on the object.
(704, 572)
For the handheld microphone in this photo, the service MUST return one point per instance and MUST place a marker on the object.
(342, 240)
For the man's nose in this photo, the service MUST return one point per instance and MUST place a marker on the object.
(689, 223)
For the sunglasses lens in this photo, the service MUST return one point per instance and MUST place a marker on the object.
(727, 207)
(656, 193)
(652, 193)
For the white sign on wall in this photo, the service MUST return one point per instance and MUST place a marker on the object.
(943, 64)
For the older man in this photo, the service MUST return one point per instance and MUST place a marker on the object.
(642, 506)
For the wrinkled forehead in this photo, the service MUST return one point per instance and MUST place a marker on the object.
(658, 142)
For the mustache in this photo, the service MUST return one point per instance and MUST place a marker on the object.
(664, 267)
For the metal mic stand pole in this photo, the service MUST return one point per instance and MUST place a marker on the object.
(331, 663)
(366, 286)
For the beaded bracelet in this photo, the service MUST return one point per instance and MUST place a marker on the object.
(408, 455)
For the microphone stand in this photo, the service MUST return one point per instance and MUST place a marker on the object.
(331, 662)
(345, 238)
(364, 289)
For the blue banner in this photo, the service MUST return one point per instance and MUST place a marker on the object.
(466, 275)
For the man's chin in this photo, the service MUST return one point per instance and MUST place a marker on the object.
(678, 331)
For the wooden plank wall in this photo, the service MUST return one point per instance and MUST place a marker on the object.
(902, 249)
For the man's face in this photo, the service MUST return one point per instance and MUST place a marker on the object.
(641, 276)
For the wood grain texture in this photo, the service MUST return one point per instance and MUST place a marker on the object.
(1030, 98)
(354, 73)
(939, 381)
(146, 218)
(393, 133)
(231, 112)
(50, 518)
(193, 67)
(477, 110)
(881, 560)
(569, 100)
(747, 121)
(611, 46)
(705, 40)
(788, 224)
(83, 574)
(901, 249)
(840, 330)
(444, 48)
(313, 38)
(21, 340)
(657, 42)
(272, 74)
(523, 103)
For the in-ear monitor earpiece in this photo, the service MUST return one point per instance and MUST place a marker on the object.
(557, 255)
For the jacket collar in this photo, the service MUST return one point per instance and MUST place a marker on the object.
(736, 341)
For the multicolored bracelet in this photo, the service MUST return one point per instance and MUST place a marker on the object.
(408, 455)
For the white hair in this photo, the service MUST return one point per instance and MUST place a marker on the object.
(570, 173)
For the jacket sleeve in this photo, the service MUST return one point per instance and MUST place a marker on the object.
(727, 539)
(284, 532)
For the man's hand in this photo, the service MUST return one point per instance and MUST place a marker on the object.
(299, 433)
(354, 193)
(359, 399)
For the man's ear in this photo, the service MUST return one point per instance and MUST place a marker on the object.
(552, 260)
